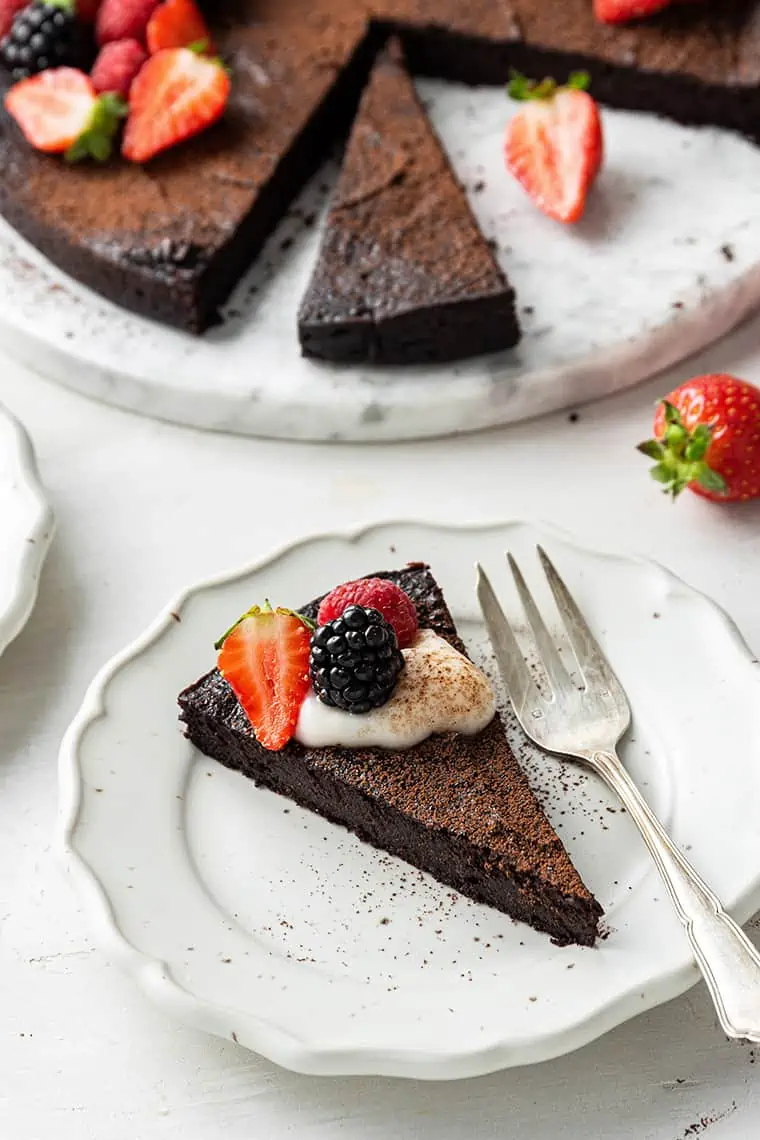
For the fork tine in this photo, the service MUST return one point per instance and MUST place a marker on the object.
(557, 674)
(520, 685)
(593, 664)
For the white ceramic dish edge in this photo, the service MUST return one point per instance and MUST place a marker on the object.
(153, 975)
(38, 532)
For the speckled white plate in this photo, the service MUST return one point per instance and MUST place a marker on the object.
(666, 260)
(240, 913)
(26, 528)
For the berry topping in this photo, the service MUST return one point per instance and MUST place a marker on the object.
(9, 9)
(554, 144)
(707, 438)
(117, 65)
(355, 660)
(621, 11)
(60, 112)
(177, 95)
(123, 20)
(375, 593)
(178, 23)
(87, 10)
(265, 660)
(43, 35)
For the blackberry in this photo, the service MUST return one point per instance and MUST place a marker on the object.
(355, 660)
(45, 34)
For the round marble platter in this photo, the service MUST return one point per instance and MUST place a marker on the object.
(666, 260)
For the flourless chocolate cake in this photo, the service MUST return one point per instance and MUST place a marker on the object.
(171, 239)
(458, 807)
(404, 275)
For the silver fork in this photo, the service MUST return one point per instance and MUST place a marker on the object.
(587, 724)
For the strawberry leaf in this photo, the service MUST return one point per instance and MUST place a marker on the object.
(96, 140)
(523, 89)
(579, 81)
(682, 455)
(661, 473)
(672, 414)
(712, 481)
(651, 448)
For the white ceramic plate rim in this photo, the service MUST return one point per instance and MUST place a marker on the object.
(153, 975)
(35, 536)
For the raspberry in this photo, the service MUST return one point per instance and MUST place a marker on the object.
(9, 9)
(117, 65)
(123, 20)
(87, 10)
(374, 593)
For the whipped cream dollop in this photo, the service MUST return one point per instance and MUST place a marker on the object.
(438, 691)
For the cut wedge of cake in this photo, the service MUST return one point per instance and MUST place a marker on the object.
(457, 806)
(404, 274)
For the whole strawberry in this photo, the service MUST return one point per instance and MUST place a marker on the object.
(707, 438)
(554, 144)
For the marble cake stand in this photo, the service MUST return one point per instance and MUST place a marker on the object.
(666, 260)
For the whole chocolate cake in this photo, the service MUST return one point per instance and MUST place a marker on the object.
(459, 807)
(169, 240)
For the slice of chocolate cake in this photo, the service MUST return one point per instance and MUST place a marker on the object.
(459, 807)
(404, 275)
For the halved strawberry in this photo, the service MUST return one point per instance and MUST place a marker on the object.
(177, 95)
(178, 23)
(554, 144)
(59, 112)
(265, 660)
(621, 11)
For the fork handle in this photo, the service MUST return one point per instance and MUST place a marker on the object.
(728, 960)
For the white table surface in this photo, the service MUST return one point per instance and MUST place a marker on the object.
(142, 509)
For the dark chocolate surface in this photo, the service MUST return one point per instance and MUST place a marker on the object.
(458, 807)
(404, 275)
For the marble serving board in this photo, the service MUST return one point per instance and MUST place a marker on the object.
(666, 260)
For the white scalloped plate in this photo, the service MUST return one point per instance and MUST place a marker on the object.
(242, 914)
(26, 528)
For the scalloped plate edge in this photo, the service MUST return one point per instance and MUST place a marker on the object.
(256, 1033)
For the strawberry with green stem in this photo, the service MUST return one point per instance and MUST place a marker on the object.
(554, 145)
(707, 439)
(60, 112)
